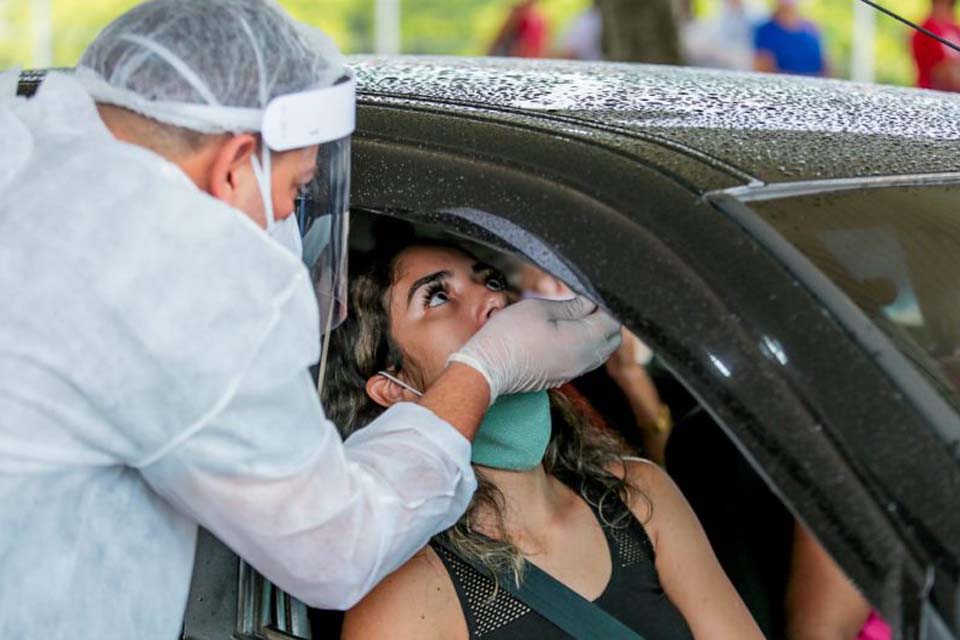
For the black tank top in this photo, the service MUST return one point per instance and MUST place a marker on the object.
(633, 595)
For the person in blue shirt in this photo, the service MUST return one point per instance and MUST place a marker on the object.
(788, 43)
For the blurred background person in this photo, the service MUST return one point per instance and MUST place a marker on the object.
(789, 43)
(524, 34)
(652, 418)
(722, 41)
(640, 31)
(860, 44)
(584, 39)
(938, 66)
(822, 602)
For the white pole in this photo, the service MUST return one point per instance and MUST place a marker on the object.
(42, 33)
(386, 20)
(861, 54)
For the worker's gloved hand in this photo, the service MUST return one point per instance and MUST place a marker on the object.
(538, 344)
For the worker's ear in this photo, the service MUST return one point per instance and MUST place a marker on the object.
(231, 177)
(386, 392)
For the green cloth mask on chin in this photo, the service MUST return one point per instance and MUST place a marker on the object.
(515, 432)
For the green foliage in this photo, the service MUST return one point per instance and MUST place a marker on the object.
(893, 60)
(442, 27)
(455, 27)
(74, 25)
(348, 22)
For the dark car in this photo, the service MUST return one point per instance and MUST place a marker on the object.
(789, 248)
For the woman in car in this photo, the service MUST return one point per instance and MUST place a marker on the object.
(553, 491)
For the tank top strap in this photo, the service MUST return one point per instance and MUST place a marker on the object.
(485, 607)
(629, 543)
(634, 593)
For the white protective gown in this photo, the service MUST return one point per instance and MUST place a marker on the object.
(154, 346)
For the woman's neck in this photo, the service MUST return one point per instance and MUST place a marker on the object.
(533, 502)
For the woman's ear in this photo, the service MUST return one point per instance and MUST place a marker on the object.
(386, 392)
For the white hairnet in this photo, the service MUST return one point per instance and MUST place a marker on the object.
(206, 65)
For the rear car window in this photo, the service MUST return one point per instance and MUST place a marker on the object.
(896, 253)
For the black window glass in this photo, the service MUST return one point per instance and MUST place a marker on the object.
(896, 253)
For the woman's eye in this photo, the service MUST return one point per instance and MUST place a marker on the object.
(438, 298)
(496, 283)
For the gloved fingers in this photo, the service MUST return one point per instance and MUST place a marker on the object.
(603, 324)
(589, 317)
(573, 309)
(603, 335)
(537, 344)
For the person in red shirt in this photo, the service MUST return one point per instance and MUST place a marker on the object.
(524, 34)
(938, 66)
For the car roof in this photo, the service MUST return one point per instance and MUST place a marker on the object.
(763, 127)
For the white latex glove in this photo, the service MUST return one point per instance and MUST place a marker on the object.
(539, 344)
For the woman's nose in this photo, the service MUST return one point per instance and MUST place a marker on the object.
(490, 303)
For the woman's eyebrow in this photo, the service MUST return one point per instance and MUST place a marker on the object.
(433, 277)
(482, 267)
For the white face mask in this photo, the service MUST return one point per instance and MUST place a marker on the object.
(286, 233)
(263, 174)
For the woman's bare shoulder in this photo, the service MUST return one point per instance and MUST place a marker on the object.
(417, 601)
(651, 491)
(640, 474)
(634, 469)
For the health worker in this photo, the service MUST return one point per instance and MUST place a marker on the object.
(158, 322)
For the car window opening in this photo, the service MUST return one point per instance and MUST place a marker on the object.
(636, 402)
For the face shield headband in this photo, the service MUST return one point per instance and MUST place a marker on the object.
(310, 118)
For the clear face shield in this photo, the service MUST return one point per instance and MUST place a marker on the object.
(323, 216)
(322, 211)
(324, 117)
